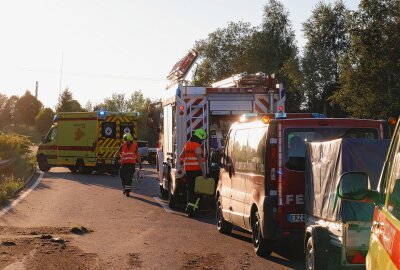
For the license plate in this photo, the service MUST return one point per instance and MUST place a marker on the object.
(296, 218)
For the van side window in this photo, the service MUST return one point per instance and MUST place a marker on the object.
(394, 188)
(256, 150)
(229, 148)
(240, 150)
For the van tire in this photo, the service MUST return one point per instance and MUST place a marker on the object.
(223, 226)
(43, 164)
(171, 197)
(261, 246)
(312, 262)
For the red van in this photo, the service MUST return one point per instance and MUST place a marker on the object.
(261, 184)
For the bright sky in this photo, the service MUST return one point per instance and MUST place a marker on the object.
(105, 46)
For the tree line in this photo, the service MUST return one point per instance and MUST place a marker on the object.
(29, 112)
(349, 66)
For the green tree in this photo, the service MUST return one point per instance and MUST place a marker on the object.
(9, 114)
(223, 53)
(27, 107)
(116, 103)
(44, 120)
(327, 43)
(370, 77)
(275, 43)
(3, 101)
(66, 103)
(89, 106)
(274, 50)
(138, 103)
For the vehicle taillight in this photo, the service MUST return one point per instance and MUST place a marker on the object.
(181, 110)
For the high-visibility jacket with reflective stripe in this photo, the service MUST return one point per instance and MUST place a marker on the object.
(190, 159)
(129, 155)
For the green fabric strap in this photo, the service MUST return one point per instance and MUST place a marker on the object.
(195, 206)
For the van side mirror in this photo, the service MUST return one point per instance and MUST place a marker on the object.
(353, 186)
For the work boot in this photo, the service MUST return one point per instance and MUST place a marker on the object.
(126, 192)
(123, 191)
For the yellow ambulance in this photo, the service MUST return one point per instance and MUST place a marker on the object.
(85, 141)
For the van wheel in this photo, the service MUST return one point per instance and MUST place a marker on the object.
(43, 165)
(261, 246)
(312, 262)
(223, 226)
(171, 197)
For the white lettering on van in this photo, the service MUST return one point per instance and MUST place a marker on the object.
(289, 198)
(299, 199)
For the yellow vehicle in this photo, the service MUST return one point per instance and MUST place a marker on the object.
(85, 141)
(384, 244)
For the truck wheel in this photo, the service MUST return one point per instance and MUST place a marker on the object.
(81, 167)
(73, 169)
(43, 165)
(261, 246)
(171, 197)
(312, 262)
(223, 226)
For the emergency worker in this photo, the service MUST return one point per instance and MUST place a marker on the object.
(129, 156)
(194, 164)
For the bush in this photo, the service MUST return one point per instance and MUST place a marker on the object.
(18, 148)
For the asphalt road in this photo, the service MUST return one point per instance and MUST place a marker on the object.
(124, 232)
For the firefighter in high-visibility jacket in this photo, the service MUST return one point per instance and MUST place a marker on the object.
(194, 165)
(129, 157)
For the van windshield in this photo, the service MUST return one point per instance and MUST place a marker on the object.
(296, 138)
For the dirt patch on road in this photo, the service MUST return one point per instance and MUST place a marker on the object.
(43, 248)
(210, 261)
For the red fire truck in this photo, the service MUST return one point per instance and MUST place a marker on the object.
(186, 108)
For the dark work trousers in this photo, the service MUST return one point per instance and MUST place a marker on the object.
(192, 197)
(126, 172)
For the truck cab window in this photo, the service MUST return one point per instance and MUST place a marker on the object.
(52, 135)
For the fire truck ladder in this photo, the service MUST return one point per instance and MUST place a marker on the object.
(194, 124)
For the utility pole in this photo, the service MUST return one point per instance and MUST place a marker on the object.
(37, 89)
(61, 72)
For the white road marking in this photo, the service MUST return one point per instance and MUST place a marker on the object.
(22, 196)
(166, 207)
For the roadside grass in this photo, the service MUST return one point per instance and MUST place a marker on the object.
(17, 148)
